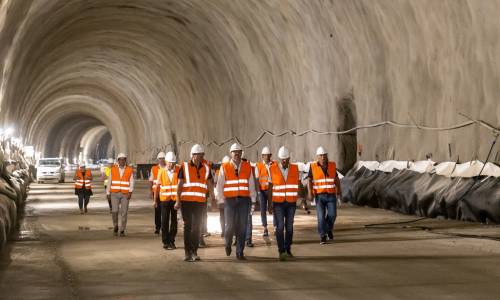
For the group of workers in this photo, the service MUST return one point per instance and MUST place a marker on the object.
(235, 186)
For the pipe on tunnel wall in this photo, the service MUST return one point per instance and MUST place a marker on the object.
(209, 70)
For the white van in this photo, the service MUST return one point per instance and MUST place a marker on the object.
(50, 169)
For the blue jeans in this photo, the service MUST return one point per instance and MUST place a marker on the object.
(236, 211)
(326, 210)
(263, 207)
(284, 213)
(249, 226)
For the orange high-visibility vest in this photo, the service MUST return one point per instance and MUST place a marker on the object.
(154, 171)
(195, 186)
(80, 179)
(237, 186)
(120, 184)
(263, 175)
(323, 184)
(285, 190)
(168, 188)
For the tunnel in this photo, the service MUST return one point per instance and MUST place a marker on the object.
(209, 72)
(404, 95)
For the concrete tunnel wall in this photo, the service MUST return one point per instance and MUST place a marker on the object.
(159, 73)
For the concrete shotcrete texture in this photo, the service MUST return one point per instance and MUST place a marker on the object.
(159, 73)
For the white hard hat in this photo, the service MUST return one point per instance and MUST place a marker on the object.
(170, 157)
(283, 153)
(161, 155)
(82, 164)
(197, 149)
(321, 151)
(226, 159)
(266, 150)
(121, 155)
(235, 147)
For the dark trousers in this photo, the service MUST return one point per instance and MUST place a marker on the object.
(284, 214)
(192, 213)
(222, 218)
(248, 235)
(263, 207)
(204, 228)
(83, 200)
(109, 200)
(168, 222)
(326, 210)
(158, 214)
(236, 213)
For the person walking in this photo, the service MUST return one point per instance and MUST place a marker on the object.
(262, 176)
(83, 187)
(194, 184)
(283, 191)
(324, 187)
(119, 193)
(105, 176)
(167, 195)
(236, 186)
(153, 185)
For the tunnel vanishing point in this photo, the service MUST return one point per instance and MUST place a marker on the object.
(142, 76)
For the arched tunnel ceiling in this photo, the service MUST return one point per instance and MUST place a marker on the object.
(158, 72)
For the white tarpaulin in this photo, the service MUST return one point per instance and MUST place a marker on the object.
(389, 165)
(370, 165)
(422, 166)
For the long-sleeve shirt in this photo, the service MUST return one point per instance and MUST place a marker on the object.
(221, 180)
(131, 181)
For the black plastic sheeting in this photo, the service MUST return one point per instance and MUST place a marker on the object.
(425, 195)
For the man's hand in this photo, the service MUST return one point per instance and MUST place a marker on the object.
(339, 200)
(109, 197)
(129, 196)
(177, 205)
(155, 205)
(270, 209)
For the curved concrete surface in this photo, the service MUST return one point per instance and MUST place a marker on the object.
(157, 73)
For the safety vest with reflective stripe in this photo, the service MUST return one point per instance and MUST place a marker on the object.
(168, 188)
(285, 190)
(154, 171)
(80, 179)
(195, 186)
(120, 184)
(323, 184)
(263, 175)
(237, 186)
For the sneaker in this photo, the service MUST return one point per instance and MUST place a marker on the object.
(250, 244)
(266, 233)
(166, 247)
(323, 240)
(115, 231)
(122, 233)
(189, 258)
(228, 250)
(195, 256)
(330, 235)
(172, 245)
(283, 256)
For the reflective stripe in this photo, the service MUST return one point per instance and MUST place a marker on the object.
(198, 184)
(324, 187)
(288, 194)
(116, 182)
(196, 194)
(324, 180)
(168, 194)
(168, 187)
(119, 188)
(288, 186)
(236, 181)
(241, 188)
(186, 172)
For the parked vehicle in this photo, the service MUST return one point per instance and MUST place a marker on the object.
(50, 169)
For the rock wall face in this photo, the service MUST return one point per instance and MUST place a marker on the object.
(163, 74)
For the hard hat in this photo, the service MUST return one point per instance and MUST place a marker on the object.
(266, 150)
(121, 155)
(170, 157)
(321, 151)
(197, 149)
(161, 155)
(283, 153)
(235, 147)
(82, 164)
(226, 159)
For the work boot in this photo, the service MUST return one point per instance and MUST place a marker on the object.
(157, 231)
(166, 247)
(172, 245)
(241, 256)
(115, 231)
(330, 235)
(323, 240)
(81, 211)
(122, 233)
(266, 232)
(250, 244)
(188, 257)
(228, 250)
(289, 254)
(195, 255)
(85, 210)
